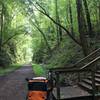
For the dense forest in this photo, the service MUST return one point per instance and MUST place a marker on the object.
(55, 33)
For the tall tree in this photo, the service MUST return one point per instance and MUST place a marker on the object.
(44, 12)
(99, 12)
(59, 30)
(37, 26)
(2, 24)
(89, 24)
(82, 28)
(71, 18)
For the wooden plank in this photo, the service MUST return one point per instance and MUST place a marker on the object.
(58, 86)
(71, 92)
(73, 70)
(80, 98)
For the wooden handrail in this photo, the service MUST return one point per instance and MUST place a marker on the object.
(84, 68)
(88, 56)
(72, 70)
(90, 63)
(74, 66)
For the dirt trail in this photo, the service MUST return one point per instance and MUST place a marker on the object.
(14, 86)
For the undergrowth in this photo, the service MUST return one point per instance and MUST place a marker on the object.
(66, 54)
(38, 69)
(8, 69)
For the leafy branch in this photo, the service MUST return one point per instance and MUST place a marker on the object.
(43, 11)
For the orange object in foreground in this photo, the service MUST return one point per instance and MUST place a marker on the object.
(37, 89)
(37, 95)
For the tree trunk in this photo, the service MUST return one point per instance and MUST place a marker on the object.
(99, 13)
(1, 32)
(82, 27)
(57, 27)
(59, 30)
(71, 18)
(42, 33)
(90, 31)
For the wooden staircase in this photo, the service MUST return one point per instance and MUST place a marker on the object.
(86, 84)
(83, 78)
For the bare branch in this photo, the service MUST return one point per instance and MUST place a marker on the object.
(9, 39)
(36, 25)
(41, 7)
(44, 12)
(39, 29)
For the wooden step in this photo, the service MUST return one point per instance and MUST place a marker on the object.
(97, 75)
(86, 86)
(96, 79)
(71, 92)
(98, 72)
(79, 98)
(90, 82)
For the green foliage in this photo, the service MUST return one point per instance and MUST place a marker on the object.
(15, 47)
(8, 69)
(38, 70)
(41, 53)
(23, 48)
(5, 58)
(22, 41)
(67, 53)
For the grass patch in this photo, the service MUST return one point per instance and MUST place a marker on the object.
(38, 70)
(8, 69)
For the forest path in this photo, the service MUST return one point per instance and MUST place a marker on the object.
(13, 86)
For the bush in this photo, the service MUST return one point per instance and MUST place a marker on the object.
(38, 70)
(8, 69)
(5, 59)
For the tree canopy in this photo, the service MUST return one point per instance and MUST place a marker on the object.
(38, 30)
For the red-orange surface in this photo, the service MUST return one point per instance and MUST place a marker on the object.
(37, 95)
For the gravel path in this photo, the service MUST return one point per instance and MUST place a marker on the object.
(14, 86)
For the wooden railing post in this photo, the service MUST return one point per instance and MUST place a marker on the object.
(58, 85)
(50, 79)
(79, 76)
(93, 83)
